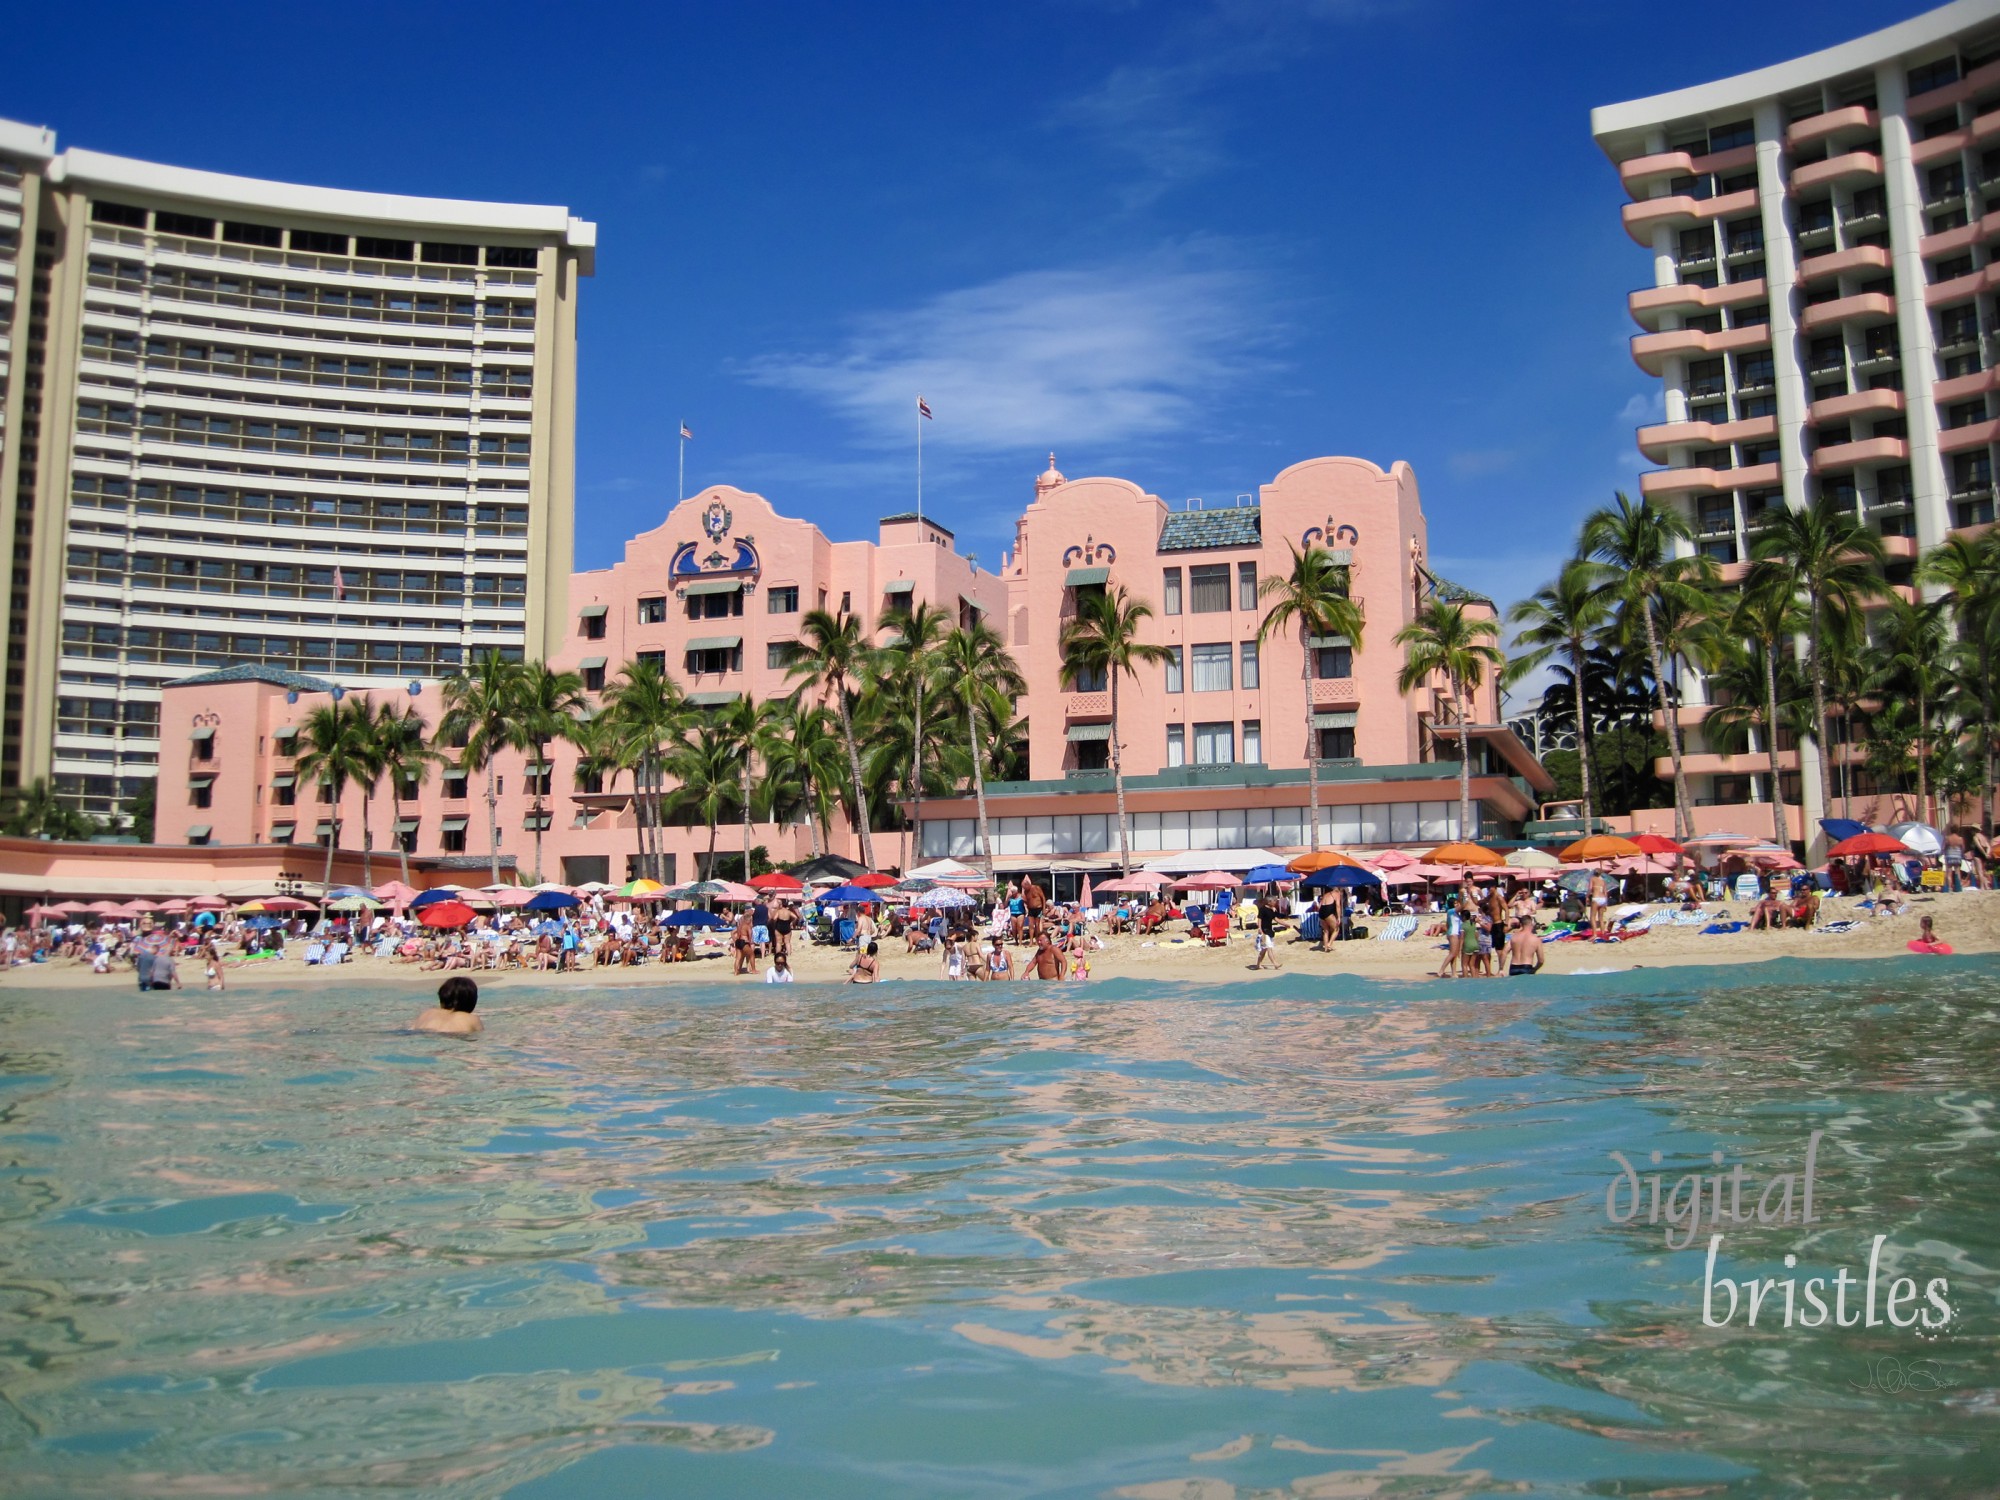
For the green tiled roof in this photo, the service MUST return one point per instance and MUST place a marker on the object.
(256, 671)
(1187, 530)
(1455, 593)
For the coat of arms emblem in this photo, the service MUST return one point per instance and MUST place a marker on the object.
(715, 521)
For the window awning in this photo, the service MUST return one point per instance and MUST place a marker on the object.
(534, 821)
(715, 643)
(289, 732)
(407, 825)
(713, 586)
(199, 831)
(454, 825)
(1078, 578)
(1081, 732)
(968, 600)
(1327, 642)
(1343, 557)
(1345, 720)
(712, 700)
(592, 612)
(325, 827)
(593, 663)
(285, 778)
(281, 833)
(201, 734)
(900, 586)
(201, 781)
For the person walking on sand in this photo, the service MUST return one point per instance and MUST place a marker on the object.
(1265, 941)
(1454, 932)
(1034, 901)
(211, 957)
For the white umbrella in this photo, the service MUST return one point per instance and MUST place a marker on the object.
(944, 896)
(1918, 838)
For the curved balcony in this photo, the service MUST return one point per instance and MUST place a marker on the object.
(1984, 128)
(1833, 125)
(1653, 350)
(1641, 172)
(1899, 548)
(1334, 691)
(1683, 212)
(1973, 83)
(1950, 241)
(1861, 258)
(1971, 435)
(1875, 450)
(1655, 441)
(1985, 279)
(1856, 404)
(1851, 166)
(1861, 305)
(1087, 706)
(1649, 303)
(1693, 481)
(1961, 386)
(1742, 763)
(1906, 592)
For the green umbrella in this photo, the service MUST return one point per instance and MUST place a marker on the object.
(354, 903)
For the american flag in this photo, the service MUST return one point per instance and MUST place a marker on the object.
(687, 432)
(923, 406)
(339, 585)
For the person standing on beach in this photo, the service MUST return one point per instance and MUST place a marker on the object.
(1033, 901)
(1044, 962)
(1329, 916)
(1525, 954)
(1600, 902)
(1266, 942)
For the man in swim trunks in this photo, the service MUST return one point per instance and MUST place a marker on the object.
(1034, 901)
(452, 1015)
(1525, 953)
(1044, 962)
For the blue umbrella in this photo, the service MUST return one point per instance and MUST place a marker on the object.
(1842, 828)
(1266, 874)
(264, 924)
(548, 929)
(842, 895)
(694, 916)
(342, 892)
(435, 894)
(1341, 877)
(553, 901)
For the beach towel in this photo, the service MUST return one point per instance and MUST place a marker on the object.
(1845, 924)
(1689, 918)
(1714, 928)
(1396, 929)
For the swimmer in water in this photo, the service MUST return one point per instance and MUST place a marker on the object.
(452, 1015)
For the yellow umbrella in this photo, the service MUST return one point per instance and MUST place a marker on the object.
(251, 906)
(1465, 854)
(1601, 846)
(1322, 859)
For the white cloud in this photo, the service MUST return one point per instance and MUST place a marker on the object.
(1646, 407)
(1478, 463)
(1104, 353)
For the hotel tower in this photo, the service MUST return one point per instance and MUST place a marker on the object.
(1821, 310)
(254, 424)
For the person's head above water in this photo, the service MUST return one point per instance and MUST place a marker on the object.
(458, 993)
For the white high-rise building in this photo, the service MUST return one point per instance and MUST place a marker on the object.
(251, 422)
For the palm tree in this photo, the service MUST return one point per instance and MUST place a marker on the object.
(646, 711)
(35, 811)
(1753, 690)
(1565, 617)
(338, 748)
(833, 659)
(1443, 638)
(1102, 641)
(1768, 617)
(904, 665)
(403, 747)
(1969, 573)
(1314, 597)
(1911, 663)
(1636, 543)
(1821, 555)
(549, 707)
(983, 680)
(751, 730)
(804, 766)
(705, 764)
(482, 707)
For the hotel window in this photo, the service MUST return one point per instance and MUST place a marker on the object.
(715, 606)
(1336, 744)
(1246, 586)
(452, 838)
(593, 675)
(454, 786)
(1174, 684)
(1170, 591)
(779, 655)
(1176, 745)
(1208, 586)
(1210, 668)
(1249, 672)
(708, 660)
(784, 601)
(593, 622)
(1214, 744)
(847, 601)
(1253, 742)
(653, 611)
(1334, 662)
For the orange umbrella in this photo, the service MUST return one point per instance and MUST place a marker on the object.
(1321, 859)
(1602, 846)
(1464, 854)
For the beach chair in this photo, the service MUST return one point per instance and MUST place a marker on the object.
(1218, 929)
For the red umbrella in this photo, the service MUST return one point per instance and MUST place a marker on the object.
(1867, 843)
(1657, 843)
(445, 914)
(208, 903)
(873, 881)
(285, 903)
(775, 880)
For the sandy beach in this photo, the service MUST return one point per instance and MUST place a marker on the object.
(1969, 921)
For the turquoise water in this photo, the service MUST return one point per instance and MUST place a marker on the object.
(1312, 1239)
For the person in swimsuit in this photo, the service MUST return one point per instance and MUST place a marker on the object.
(212, 957)
(1044, 962)
(1266, 942)
(999, 962)
(452, 1015)
(781, 931)
(952, 959)
(866, 968)
(1034, 901)
(1454, 931)
(1525, 953)
(741, 941)
(1926, 940)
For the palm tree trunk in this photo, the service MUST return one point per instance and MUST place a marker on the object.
(541, 770)
(746, 812)
(1582, 738)
(492, 824)
(1923, 756)
(1818, 672)
(709, 873)
(367, 839)
(332, 838)
(1778, 829)
(1312, 745)
(917, 756)
(860, 796)
(1118, 786)
(1683, 812)
(810, 793)
(1464, 764)
(396, 812)
(978, 782)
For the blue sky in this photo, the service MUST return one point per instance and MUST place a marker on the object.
(1188, 243)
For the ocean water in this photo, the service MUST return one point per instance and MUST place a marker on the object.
(1307, 1239)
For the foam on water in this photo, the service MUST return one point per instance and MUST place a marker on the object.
(1311, 1237)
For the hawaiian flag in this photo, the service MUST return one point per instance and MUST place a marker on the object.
(923, 407)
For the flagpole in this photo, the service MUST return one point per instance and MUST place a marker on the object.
(682, 486)
(920, 464)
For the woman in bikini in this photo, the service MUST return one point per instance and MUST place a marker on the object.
(866, 968)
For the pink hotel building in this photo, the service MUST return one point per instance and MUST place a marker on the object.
(1214, 744)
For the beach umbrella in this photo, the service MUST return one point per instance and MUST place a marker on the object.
(446, 914)
(1209, 880)
(286, 904)
(1392, 859)
(353, 903)
(944, 898)
(432, 896)
(1576, 882)
(595, 888)
(1918, 838)
(1149, 880)
(1341, 877)
(1657, 843)
(342, 892)
(139, 904)
(501, 895)
(874, 880)
(1842, 829)
(208, 903)
(548, 927)
(395, 893)
(122, 912)
(1320, 859)
(174, 908)
(1723, 840)
(1534, 859)
(1601, 846)
(73, 908)
(264, 923)
(1124, 887)
(1268, 875)
(1867, 843)
(775, 880)
(39, 912)
(1464, 854)
(694, 916)
(633, 888)
(843, 895)
(553, 901)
